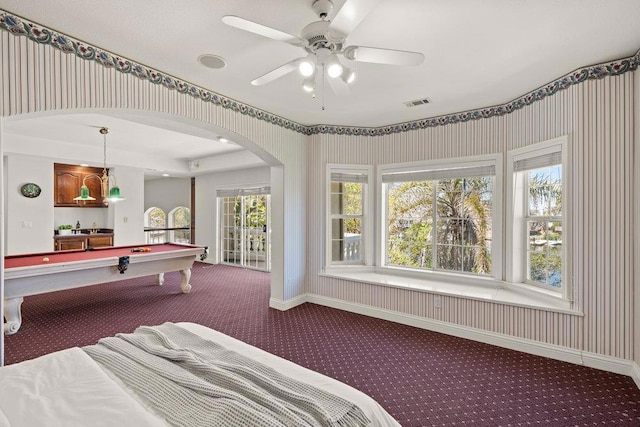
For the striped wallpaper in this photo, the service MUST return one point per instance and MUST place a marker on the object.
(599, 115)
(599, 118)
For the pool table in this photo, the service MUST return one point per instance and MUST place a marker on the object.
(39, 273)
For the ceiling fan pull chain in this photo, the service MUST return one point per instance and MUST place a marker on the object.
(323, 86)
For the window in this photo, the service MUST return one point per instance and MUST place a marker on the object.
(172, 227)
(440, 222)
(155, 218)
(180, 217)
(155, 221)
(544, 226)
(347, 220)
(441, 218)
(538, 215)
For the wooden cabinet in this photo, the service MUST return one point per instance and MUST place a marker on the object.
(99, 241)
(82, 241)
(71, 243)
(67, 180)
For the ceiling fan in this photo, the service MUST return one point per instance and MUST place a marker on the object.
(323, 41)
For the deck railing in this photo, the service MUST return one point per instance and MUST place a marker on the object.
(164, 235)
(351, 251)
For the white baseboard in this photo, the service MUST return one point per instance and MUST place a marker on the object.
(608, 363)
(635, 373)
(592, 360)
(283, 305)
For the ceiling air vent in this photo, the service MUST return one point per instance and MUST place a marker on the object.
(417, 102)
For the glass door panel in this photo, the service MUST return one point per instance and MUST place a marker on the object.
(244, 231)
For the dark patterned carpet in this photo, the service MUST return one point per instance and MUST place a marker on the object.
(422, 378)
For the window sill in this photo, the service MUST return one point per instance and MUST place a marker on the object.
(481, 288)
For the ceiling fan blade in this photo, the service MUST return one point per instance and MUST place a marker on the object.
(383, 56)
(262, 30)
(277, 73)
(339, 86)
(350, 15)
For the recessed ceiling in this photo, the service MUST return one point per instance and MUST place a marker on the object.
(158, 148)
(477, 53)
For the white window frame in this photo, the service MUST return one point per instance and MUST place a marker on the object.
(516, 244)
(494, 160)
(367, 215)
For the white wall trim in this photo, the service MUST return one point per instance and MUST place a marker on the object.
(608, 363)
(565, 354)
(282, 305)
(635, 373)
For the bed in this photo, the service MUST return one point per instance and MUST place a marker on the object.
(93, 386)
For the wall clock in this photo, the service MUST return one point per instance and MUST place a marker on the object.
(30, 190)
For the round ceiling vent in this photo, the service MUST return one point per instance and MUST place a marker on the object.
(212, 61)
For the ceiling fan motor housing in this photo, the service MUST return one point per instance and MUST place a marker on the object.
(317, 34)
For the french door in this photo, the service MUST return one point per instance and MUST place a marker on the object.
(245, 228)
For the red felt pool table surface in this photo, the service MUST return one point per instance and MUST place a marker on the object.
(31, 274)
(14, 261)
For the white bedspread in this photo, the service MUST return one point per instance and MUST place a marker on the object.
(68, 388)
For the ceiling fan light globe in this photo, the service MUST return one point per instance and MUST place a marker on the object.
(348, 76)
(335, 70)
(308, 85)
(307, 68)
(334, 67)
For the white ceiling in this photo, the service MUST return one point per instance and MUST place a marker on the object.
(477, 53)
(145, 142)
(124, 136)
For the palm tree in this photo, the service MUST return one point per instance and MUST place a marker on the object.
(410, 217)
(464, 217)
(463, 224)
(482, 261)
(545, 203)
(545, 190)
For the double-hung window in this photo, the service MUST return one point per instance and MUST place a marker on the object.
(537, 244)
(349, 206)
(462, 220)
(441, 217)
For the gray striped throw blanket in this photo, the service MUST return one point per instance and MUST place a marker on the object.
(192, 381)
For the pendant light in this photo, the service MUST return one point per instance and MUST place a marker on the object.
(108, 194)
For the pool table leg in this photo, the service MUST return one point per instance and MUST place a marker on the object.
(13, 314)
(160, 279)
(185, 276)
